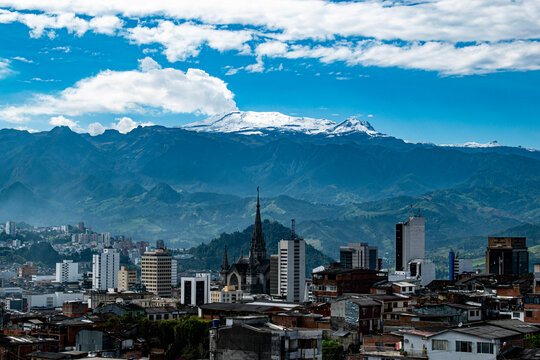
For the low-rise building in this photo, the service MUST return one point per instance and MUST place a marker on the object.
(253, 337)
(329, 284)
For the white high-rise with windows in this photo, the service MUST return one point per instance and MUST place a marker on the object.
(10, 228)
(292, 269)
(410, 241)
(105, 268)
(67, 271)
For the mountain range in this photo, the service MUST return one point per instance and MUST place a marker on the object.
(341, 181)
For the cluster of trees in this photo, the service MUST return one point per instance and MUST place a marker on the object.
(186, 338)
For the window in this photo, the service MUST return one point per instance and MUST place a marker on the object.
(528, 314)
(484, 348)
(439, 345)
(463, 346)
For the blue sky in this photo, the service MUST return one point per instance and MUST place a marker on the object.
(440, 71)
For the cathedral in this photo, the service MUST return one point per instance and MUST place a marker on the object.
(249, 274)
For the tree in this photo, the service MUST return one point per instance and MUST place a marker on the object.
(332, 350)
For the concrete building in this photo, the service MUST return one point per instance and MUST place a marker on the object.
(476, 342)
(229, 294)
(11, 228)
(126, 278)
(458, 265)
(174, 273)
(507, 256)
(357, 313)
(195, 290)
(274, 275)
(253, 337)
(50, 300)
(410, 241)
(359, 255)
(292, 269)
(156, 272)
(27, 270)
(105, 270)
(423, 270)
(329, 284)
(67, 271)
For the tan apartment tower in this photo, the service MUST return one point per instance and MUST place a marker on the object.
(156, 272)
(126, 278)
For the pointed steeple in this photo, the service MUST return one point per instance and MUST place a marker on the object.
(225, 263)
(257, 250)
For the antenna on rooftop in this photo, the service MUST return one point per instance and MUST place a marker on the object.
(411, 211)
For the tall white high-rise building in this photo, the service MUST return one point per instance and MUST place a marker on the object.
(10, 228)
(410, 241)
(292, 269)
(105, 268)
(67, 271)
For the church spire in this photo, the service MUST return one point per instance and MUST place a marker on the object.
(257, 250)
(225, 263)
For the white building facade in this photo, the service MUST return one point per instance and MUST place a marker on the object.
(410, 241)
(195, 290)
(11, 228)
(67, 271)
(292, 269)
(105, 268)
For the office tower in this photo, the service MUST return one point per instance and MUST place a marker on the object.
(458, 265)
(67, 271)
(105, 269)
(10, 228)
(410, 241)
(174, 272)
(274, 275)
(160, 244)
(507, 256)
(358, 255)
(156, 272)
(126, 278)
(292, 268)
(80, 226)
(195, 290)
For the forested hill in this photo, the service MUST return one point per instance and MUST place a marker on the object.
(209, 256)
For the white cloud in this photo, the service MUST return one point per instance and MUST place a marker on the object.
(96, 129)
(448, 20)
(62, 121)
(185, 40)
(22, 59)
(148, 64)
(45, 24)
(436, 56)
(126, 124)
(25, 128)
(5, 69)
(138, 91)
(325, 30)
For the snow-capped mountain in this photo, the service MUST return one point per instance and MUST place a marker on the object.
(252, 122)
(490, 144)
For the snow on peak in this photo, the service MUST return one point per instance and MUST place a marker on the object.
(490, 144)
(252, 122)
